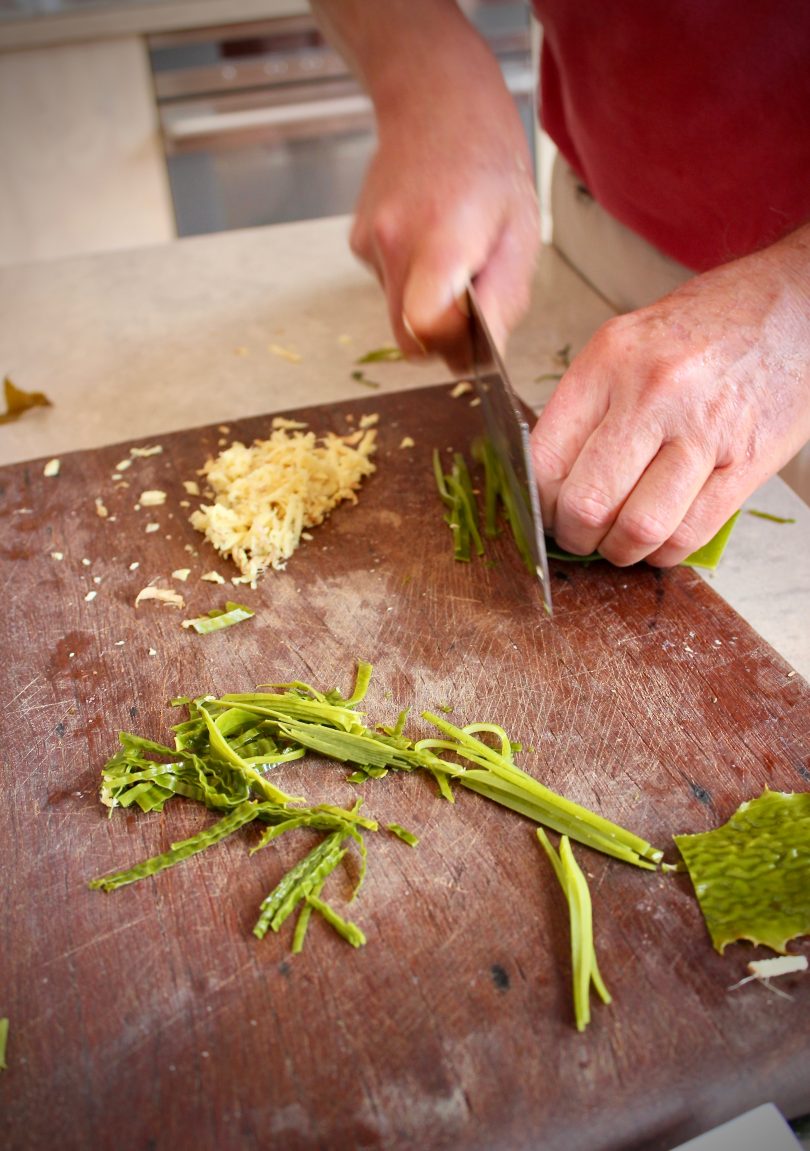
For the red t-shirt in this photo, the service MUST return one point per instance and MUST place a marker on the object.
(688, 120)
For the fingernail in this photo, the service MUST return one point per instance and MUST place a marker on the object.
(461, 283)
(406, 323)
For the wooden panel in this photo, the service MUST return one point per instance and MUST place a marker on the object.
(152, 1017)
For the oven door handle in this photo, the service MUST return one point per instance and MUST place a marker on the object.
(187, 128)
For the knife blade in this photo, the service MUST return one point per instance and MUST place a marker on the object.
(508, 433)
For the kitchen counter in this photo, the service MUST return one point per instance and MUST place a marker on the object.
(151, 340)
(45, 23)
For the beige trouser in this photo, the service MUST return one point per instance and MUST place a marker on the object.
(625, 269)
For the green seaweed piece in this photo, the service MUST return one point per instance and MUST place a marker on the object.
(711, 553)
(752, 875)
(218, 618)
(383, 355)
(403, 834)
(3, 1043)
(769, 516)
(585, 968)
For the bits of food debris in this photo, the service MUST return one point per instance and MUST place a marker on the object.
(91, 595)
(213, 577)
(241, 351)
(152, 651)
(153, 498)
(166, 596)
(191, 487)
(285, 353)
(100, 508)
(52, 468)
(268, 493)
(134, 566)
(144, 453)
(291, 425)
(152, 527)
(407, 442)
(181, 573)
(57, 555)
(370, 421)
(122, 465)
(462, 388)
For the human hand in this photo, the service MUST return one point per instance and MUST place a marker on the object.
(672, 415)
(449, 197)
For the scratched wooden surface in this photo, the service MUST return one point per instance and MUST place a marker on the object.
(152, 1018)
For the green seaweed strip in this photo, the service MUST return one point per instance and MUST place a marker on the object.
(3, 1043)
(584, 967)
(710, 554)
(384, 355)
(350, 931)
(401, 833)
(302, 923)
(534, 791)
(217, 619)
(770, 517)
(255, 779)
(299, 882)
(229, 823)
(361, 682)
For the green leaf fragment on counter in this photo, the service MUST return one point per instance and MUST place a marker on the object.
(752, 875)
(584, 966)
(385, 354)
(3, 1043)
(769, 516)
(19, 401)
(218, 618)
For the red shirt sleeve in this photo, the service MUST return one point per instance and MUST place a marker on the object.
(689, 120)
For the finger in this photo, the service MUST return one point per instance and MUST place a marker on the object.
(603, 475)
(504, 283)
(573, 413)
(434, 299)
(657, 505)
(720, 497)
(383, 245)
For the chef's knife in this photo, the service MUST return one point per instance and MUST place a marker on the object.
(508, 433)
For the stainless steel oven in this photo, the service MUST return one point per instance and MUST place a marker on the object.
(262, 123)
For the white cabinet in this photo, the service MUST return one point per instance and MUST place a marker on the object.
(81, 162)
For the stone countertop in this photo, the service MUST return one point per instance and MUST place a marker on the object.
(47, 23)
(206, 330)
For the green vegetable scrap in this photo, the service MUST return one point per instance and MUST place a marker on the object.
(752, 875)
(583, 954)
(3, 1043)
(769, 516)
(401, 833)
(19, 401)
(225, 747)
(218, 618)
(711, 553)
(385, 354)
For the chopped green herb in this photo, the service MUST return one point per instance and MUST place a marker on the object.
(361, 378)
(386, 354)
(19, 401)
(583, 954)
(768, 516)
(406, 836)
(3, 1043)
(218, 618)
(752, 875)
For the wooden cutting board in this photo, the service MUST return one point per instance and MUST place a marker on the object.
(152, 1018)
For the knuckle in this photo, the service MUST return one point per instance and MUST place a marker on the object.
(643, 529)
(589, 507)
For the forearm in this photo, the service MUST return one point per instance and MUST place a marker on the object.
(408, 53)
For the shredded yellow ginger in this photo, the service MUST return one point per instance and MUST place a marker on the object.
(267, 494)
